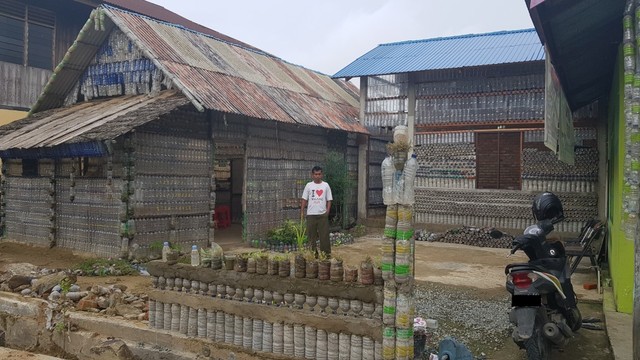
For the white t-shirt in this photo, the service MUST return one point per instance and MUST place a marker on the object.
(317, 196)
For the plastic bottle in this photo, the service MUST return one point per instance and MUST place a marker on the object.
(410, 169)
(388, 170)
(195, 256)
(165, 251)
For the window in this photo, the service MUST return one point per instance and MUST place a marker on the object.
(26, 34)
(29, 167)
(498, 160)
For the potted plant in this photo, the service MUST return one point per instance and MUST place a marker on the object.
(262, 262)
(337, 269)
(311, 271)
(350, 273)
(241, 262)
(284, 265)
(251, 263)
(366, 271)
(229, 262)
(272, 268)
(324, 266)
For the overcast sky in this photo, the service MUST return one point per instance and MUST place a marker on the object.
(327, 35)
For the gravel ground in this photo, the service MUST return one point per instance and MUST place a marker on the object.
(478, 320)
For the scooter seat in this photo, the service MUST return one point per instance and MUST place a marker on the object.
(522, 267)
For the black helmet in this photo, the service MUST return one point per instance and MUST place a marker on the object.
(547, 206)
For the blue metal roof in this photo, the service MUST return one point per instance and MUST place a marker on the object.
(447, 53)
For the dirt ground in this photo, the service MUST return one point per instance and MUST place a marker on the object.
(59, 258)
(481, 269)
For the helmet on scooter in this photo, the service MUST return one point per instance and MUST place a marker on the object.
(547, 206)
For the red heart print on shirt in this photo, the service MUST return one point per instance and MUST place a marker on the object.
(319, 192)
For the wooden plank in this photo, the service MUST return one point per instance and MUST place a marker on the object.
(10, 140)
(101, 109)
(112, 111)
(42, 129)
(119, 111)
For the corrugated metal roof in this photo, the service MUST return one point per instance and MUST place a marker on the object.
(158, 12)
(447, 53)
(95, 120)
(583, 39)
(215, 74)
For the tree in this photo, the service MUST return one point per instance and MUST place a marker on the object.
(336, 174)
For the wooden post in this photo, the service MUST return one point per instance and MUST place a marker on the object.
(363, 159)
(411, 107)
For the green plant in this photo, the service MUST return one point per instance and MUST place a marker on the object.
(285, 233)
(65, 285)
(308, 255)
(280, 257)
(300, 230)
(104, 267)
(157, 246)
(59, 327)
(336, 174)
(322, 256)
(358, 230)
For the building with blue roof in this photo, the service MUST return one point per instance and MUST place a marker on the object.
(475, 108)
(502, 47)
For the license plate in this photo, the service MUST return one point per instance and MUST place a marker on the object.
(526, 300)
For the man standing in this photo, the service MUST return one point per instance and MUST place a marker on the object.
(316, 199)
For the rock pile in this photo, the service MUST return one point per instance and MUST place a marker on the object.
(60, 287)
(466, 235)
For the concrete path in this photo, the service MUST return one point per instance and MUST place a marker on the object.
(619, 328)
(462, 265)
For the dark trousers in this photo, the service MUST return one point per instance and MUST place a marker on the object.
(318, 228)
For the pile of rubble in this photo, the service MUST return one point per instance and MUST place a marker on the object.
(60, 289)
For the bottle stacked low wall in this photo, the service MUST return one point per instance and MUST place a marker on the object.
(267, 314)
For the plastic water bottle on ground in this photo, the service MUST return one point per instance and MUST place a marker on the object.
(165, 251)
(195, 256)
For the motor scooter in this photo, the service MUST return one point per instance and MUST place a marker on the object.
(544, 309)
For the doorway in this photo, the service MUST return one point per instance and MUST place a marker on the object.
(229, 172)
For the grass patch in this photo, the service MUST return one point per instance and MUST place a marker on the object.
(105, 267)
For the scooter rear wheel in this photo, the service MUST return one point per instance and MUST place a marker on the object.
(537, 346)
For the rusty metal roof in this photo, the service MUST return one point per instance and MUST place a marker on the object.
(158, 12)
(214, 74)
(95, 120)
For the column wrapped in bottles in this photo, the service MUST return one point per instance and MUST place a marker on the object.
(398, 175)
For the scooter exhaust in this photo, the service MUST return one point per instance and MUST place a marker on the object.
(553, 333)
